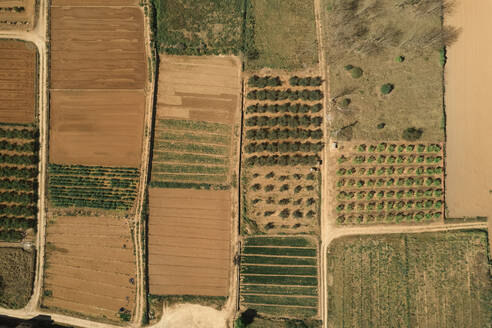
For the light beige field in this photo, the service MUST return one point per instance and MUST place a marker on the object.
(17, 14)
(198, 88)
(469, 111)
(189, 242)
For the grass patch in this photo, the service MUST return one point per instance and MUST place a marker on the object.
(196, 178)
(278, 260)
(279, 241)
(195, 126)
(16, 277)
(284, 34)
(189, 158)
(280, 280)
(279, 270)
(181, 168)
(191, 148)
(289, 312)
(280, 300)
(280, 251)
(190, 137)
(282, 290)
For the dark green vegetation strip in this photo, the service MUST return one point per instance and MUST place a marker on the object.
(281, 290)
(18, 184)
(199, 27)
(92, 186)
(453, 265)
(279, 270)
(280, 251)
(187, 185)
(280, 280)
(249, 259)
(279, 241)
(16, 276)
(280, 300)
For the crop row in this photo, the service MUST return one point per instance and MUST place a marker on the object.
(62, 191)
(392, 159)
(278, 241)
(284, 147)
(371, 194)
(19, 159)
(401, 148)
(91, 203)
(290, 251)
(292, 95)
(283, 160)
(67, 180)
(280, 270)
(182, 168)
(188, 185)
(17, 210)
(305, 81)
(279, 290)
(19, 172)
(280, 300)
(432, 170)
(283, 188)
(27, 147)
(279, 134)
(7, 223)
(195, 126)
(256, 81)
(18, 133)
(21, 185)
(283, 108)
(193, 137)
(286, 213)
(389, 217)
(388, 183)
(189, 158)
(389, 205)
(17, 197)
(11, 235)
(286, 201)
(191, 148)
(282, 177)
(187, 177)
(74, 170)
(251, 259)
(285, 120)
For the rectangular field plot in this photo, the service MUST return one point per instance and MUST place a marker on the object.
(189, 242)
(17, 14)
(90, 127)
(90, 269)
(17, 268)
(416, 280)
(97, 48)
(17, 81)
(18, 182)
(92, 186)
(279, 276)
(389, 183)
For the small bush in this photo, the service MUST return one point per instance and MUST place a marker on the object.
(356, 72)
(345, 102)
(348, 67)
(412, 134)
(400, 59)
(387, 88)
(381, 125)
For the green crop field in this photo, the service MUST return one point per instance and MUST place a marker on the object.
(281, 34)
(414, 280)
(92, 186)
(279, 276)
(16, 277)
(199, 27)
(18, 181)
(191, 154)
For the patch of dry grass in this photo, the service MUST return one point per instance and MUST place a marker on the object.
(16, 277)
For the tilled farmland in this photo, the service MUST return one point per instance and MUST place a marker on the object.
(279, 276)
(189, 242)
(90, 267)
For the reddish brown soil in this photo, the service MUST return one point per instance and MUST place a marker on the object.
(189, 242)
(97, 48)
(199, 88)
(86, 272)
(104, 127)
(17, 81)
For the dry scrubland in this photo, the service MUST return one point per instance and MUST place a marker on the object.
(90, 267)
(468, 80)
(189, 242)
(370, 37)
(16, 277)
(17, 14)
(417, 280)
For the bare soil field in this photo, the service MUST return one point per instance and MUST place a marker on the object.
(16, 277)
(199, 88)
(90, 269)
(106, 127)
(189, 242)
(97, 48)
(94, 3)
(468, 78)
(17, 81)
(17, 14)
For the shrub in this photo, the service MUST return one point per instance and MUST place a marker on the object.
(400, 59)
(412, 134)
(387, 88)
(284, 213)
(348, 67)
(345, 102)
(381, 125)
(356, 72)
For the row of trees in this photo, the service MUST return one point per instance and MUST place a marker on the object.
(256, 81)
(381, 159)
(63, 180)
(21, 148)
(275, 95)
(11, 235)
(286, 120)
(389, 205)
(384, 147)
(17, 210)
(19, 159)
(284, 147)
(17, 223)
(18, 133)
(388, 217)
(17, 172)
(17, 197)
(308, 81)
(93, 170)
(380, 183)
(91, 203)
(279, 134)
(283, 108)
(398, 194)
(284, 160)
(24, 185)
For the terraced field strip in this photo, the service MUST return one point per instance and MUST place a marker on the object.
(90, 267)
(92, 186)
(18, 183)
(279, 276)
(189, 153)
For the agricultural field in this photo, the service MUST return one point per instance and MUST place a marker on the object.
(17, 81)
(90, 268)
(17, 14)
(199, 27)
(283, 140)
(17, 268)
(280, 34)
(92, 186)
(386, 67)
(189, 242)
(279, 276)
(389, 183)
(415, 280)
(197, 106)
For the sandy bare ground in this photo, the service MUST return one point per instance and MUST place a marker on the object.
(192, 316)
(469, 111)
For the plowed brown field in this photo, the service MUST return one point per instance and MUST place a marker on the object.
(198, 88)
(97, 48)
(17, 81)
(189, 242)
(105, 127)
(90, 266)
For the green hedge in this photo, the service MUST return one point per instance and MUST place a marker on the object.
(279, 241)
(280, 280)
(291, 251)
(277, 260)
(279, 270)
